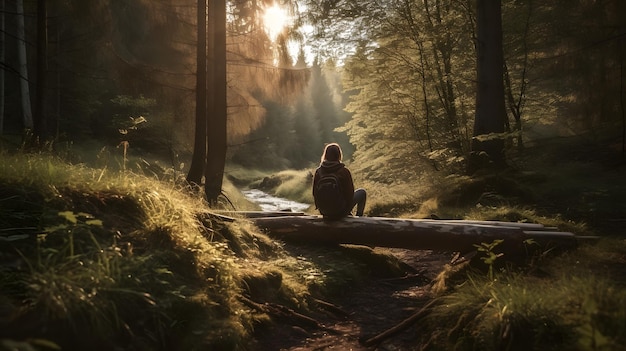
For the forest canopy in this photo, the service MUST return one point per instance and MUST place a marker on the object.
(393, 80)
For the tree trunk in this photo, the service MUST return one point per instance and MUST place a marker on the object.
(2, 59)
(487, 148)
(40, 131)
(55, 121)
(216, 127)
(417, 234)
(198, 160)
(27, 114)
(621, 96)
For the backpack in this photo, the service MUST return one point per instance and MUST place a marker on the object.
(329, 198)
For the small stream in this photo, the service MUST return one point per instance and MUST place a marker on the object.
(273, 203)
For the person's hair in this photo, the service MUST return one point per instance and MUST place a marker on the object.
(332, 152)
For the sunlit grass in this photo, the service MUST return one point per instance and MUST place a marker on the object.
(244, 176)
(296, 185)
(108, 250)
(514, 213)
(128, 257)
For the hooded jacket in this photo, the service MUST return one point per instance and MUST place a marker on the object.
(344, 175)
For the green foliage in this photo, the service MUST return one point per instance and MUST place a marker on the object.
(489, 257)
(411, 90)
(407, 104)
(583, 76)
(130, 127)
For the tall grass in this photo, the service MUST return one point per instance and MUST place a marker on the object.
(571, 306)
(97, 259)
(116, 254)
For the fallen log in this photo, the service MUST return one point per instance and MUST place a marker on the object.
(525, 225)
(263, 214)
(415, 234)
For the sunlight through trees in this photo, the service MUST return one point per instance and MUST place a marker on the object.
(275, 19)
(382, 77)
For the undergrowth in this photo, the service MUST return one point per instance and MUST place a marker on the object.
(574, 301)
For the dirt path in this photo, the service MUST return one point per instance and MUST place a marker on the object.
(369, 310)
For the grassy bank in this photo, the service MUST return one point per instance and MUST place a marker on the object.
(92, 259)
(96, 260)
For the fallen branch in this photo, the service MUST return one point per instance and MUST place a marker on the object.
(400, 326)
(331, 308)
(286, 314)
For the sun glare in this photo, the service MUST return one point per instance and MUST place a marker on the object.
(274, 20)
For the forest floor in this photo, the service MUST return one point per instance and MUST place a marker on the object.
(367, 310)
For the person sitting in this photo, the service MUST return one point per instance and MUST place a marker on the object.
(333, 188)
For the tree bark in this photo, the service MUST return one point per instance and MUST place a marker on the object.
(216, 126)
(417, 234)
(2, 59)
(488, 151)
(198, 159)
(27, 114)
(621, 96)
